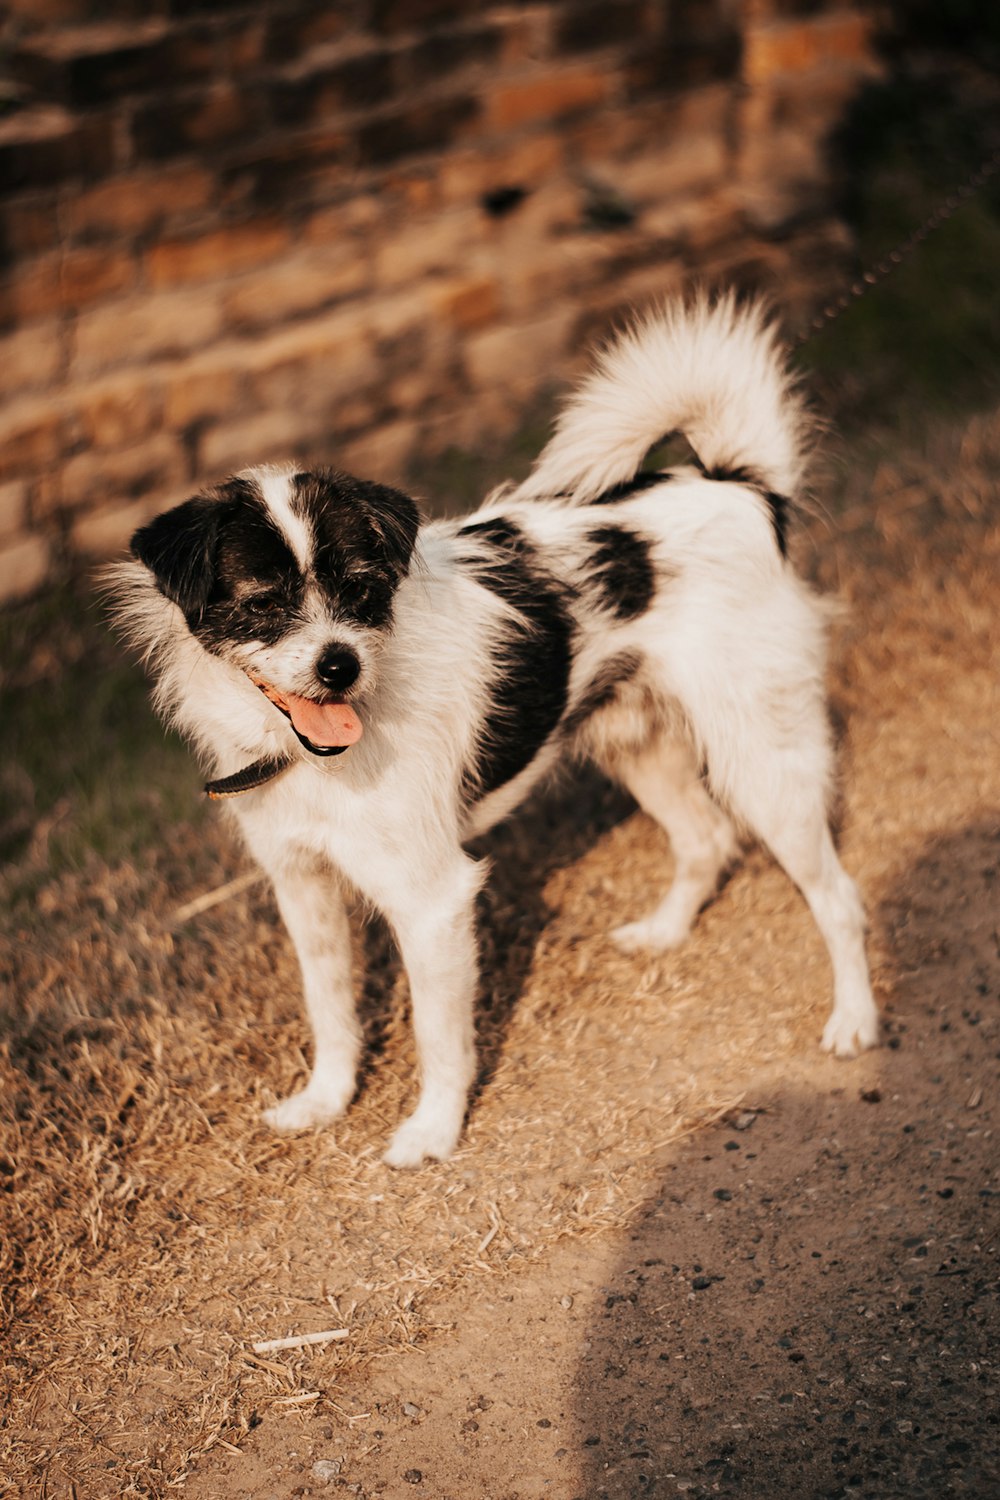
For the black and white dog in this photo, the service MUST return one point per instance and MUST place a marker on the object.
(370, 692)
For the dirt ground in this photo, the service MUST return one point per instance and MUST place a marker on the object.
(679, 1250)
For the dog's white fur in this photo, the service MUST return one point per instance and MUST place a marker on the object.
(733, 651)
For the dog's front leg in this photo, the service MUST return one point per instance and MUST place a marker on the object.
(435, 927)
(311, 904)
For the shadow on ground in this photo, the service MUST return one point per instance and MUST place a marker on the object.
(799, 1313)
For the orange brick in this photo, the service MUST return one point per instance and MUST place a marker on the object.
(471, 303)
(439, 244)
(202, 388)
(123, 473)
(23, 567)
(221, 254)
(137, 329)
(30, 291)
(318, 362)
(31, 437)
(517, 357)
(296, 286)
(546, 96)
(87, 275)
(118, 412)
(130, 205)
(797, 47)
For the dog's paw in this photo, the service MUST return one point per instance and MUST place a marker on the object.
(307, 1109)
(849, 1032)
(420, 1138)
(649, 936)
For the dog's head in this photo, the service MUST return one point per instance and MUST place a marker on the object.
(290, 576)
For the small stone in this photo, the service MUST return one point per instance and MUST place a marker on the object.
(327, 1469)
(411, 1410)
(723, 1195)
(872, 1096)
(543, 1422)
(744, 1119)
(414, 1476)
(566, 1302)
(470, 1426)
(701, 1283)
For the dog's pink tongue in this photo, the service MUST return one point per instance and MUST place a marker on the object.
(326, 724)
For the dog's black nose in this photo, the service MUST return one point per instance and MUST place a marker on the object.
(337, 668)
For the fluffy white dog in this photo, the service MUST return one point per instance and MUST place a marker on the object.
(369, 691)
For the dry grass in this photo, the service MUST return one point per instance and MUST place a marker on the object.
(153, 1230)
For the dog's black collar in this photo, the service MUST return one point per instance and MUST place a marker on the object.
(251, 777)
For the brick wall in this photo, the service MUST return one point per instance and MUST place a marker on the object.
(362, 232)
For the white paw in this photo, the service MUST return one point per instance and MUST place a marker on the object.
(849, 1032)
(307, 1109)
(649, 936)
(420, 1137)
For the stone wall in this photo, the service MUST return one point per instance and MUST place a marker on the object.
(362, 232)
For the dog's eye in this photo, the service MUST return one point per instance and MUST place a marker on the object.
(263, 604)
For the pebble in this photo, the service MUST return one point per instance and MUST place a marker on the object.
(566, 1302)
(327, 1469)
(414, 1476)
(700, 1283)
(411, 1410)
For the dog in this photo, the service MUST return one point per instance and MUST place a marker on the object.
(370, 691)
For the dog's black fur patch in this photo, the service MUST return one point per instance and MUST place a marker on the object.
(629, 487)
(602, 690)
(364, 538)
(621, 570)
(529, 693)
(221, 558)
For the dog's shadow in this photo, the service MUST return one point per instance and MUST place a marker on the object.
(551, 831)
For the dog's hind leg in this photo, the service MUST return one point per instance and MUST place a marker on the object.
(313, 910)
(664, 780)
(776, 779)
(435, 926)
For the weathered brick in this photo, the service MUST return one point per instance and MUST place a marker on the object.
(138, 329)
(382, 455)
(203, 388)
(315, 363)
(30, 291)
(90, 275)
(469, 302)
(269, 435)
(363, 81)
(107, 531)
(30, 225)
(117, 412)
(418, 250)
(138, 202)
(219, 116)
(588, 26)
(90, 65)
(291, 34)
(122, 473)
(30, 358)
(24, 566)
(796, 47)
(295, 286)
(31, 436)
(525, 164)
(546, 96)
(431, 59)
(517, 358)
(218, 255)
(13, 506)
(427, 126)
(304, 172)
(408, 15)
(44, 147)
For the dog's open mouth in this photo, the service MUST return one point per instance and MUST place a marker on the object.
(327, 728)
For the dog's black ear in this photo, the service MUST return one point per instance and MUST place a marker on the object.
(397, 521)
(179, 548)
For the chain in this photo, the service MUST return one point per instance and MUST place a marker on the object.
(877, 273)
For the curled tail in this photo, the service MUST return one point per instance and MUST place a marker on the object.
(711, 370)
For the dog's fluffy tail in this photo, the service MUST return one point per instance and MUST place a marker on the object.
(712, 370)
